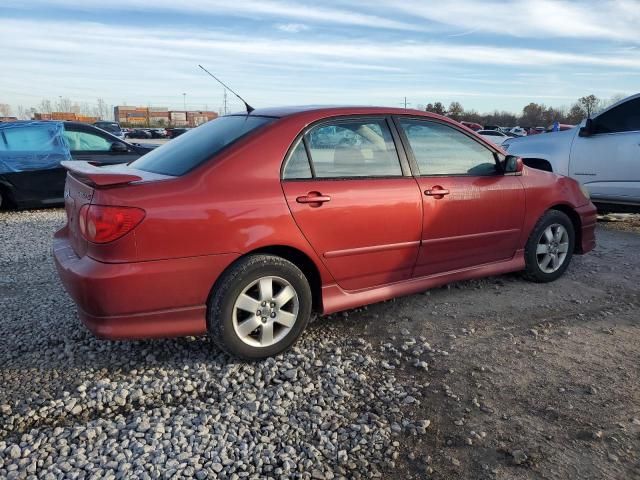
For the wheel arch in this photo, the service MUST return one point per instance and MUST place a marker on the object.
(570, 212)
(300, 260)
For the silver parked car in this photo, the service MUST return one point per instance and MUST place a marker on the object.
(603, 154)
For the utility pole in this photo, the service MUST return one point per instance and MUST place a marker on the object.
(184, 101)
(405, 103)
(224, 100)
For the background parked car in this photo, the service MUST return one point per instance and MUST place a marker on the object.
(494, 136)
(603, 154)
(112, 127)
(518, 132)
(561, 127)
(472, 125)
(31, 152)
(140, 133)
(158, 132)
(176, 132)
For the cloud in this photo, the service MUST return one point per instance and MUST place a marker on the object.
(155, 64)
(535, 19)
(292, 27)
(246, 8)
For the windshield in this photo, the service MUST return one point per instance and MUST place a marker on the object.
(192, 148)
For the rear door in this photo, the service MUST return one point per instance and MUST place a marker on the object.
(473, 213)
(354, 201)
(608, 162)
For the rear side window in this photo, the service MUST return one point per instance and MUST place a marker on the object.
(190, 149)
(353, 148)
(623, 118)
(298, 166)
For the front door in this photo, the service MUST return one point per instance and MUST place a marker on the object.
(91, 145)
(473, 214)
(353, 201)
(608, 162)
(30, 156)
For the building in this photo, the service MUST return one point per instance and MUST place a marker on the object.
(131, 116)
(8, 119)
(65, 116)
(198, 118)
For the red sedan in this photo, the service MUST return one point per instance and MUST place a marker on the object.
(242, 227)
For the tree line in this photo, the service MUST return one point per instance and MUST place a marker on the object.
(533, 114)
(100, 109)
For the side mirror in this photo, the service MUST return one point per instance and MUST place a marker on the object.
(117, 147)
(513, 164)
(588, 128)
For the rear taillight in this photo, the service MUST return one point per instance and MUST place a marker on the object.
(102, 224)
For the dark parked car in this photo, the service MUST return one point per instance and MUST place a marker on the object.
(158, 132)
(112, 127)
(31, 152)
(176, 132)
(139, 133)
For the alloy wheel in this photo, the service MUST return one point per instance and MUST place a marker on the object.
(552, 248)
(265, 311)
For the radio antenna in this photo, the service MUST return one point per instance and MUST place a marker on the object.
(247, 106)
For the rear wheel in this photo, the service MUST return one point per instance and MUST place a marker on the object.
(550, 247)
(259, 307)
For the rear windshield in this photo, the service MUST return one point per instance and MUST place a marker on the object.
(192, 148)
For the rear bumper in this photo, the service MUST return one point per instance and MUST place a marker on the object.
(588, 219)
(164, 298)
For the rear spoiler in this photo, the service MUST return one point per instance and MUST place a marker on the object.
(98, 176)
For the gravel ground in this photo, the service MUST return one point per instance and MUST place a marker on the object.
(496, 379)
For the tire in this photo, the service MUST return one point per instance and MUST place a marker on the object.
(243, 288)
(549, 248)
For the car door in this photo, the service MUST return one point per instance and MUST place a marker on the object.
(90, 144)
(30, 156)
(608, 161)
(354, 201)
(473, 213)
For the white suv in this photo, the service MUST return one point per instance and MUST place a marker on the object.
(603, 154)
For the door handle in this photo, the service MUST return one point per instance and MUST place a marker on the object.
(314, 197)
(436, 192)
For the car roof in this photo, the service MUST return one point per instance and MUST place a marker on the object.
(332, 110)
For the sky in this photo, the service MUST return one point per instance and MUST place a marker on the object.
(485, 54)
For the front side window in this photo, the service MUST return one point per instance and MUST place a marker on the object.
(623, 118)
(87, 142)
(443, 150)
(353, 148)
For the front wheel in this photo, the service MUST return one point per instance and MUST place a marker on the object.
(550, 247)
(259, 307)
